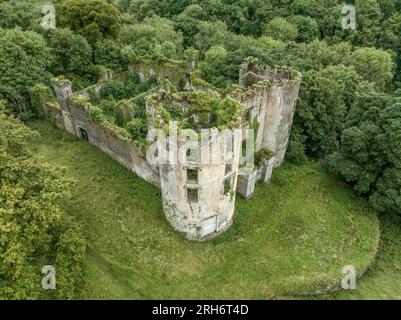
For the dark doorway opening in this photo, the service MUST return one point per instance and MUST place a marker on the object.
(83, 134)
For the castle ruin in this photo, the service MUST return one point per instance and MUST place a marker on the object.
(198, 196)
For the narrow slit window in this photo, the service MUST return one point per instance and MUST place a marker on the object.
(249, 115)
(227, 186)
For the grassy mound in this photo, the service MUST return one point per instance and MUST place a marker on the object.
(383, 281)
(296, 234)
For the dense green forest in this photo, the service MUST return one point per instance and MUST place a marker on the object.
(348, 116)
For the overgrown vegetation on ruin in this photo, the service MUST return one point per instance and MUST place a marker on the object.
(348, 118)
(289, 237)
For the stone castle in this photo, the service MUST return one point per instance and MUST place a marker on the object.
(198, 197)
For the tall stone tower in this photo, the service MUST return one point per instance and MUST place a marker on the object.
(198, 181)
(269, 97)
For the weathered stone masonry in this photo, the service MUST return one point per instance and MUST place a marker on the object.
(270, 98)
(199, 190)
(203, 207)
(76, 122)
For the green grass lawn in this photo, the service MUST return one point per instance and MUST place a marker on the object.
(295, 234)
(384, 278)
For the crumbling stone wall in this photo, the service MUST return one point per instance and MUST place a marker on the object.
(174, 71)
(269, 96)
(54, 113)
(200, 208)
(76, 121)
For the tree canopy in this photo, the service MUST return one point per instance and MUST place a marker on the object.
(348, 115)
(33, 227)
(93, 19)
(24, 61)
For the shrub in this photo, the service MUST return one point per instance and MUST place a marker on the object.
(280, 29)
(109, 54)
(132, 84)
(137, 129)
(107, 106)
(113, 90)
(296, 148)
(80, 101)
(227, 112)
(123, 113)
(38, 94)
(120, 133)
(69, 254)
(264, 154)
(139, 105)
(96, 114)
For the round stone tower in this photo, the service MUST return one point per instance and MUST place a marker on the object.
(198, 180)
